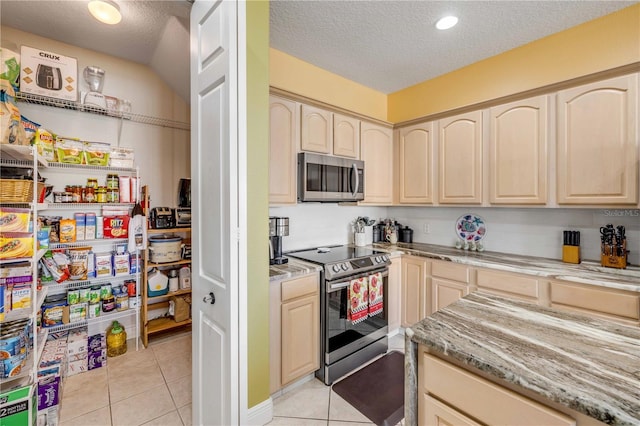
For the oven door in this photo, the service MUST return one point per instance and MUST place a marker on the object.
(341, 336)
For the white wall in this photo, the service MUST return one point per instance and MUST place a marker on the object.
(535, 232)
(162, 154)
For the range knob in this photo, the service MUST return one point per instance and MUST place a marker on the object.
(385, 258)
(336, 268)
(344, 267)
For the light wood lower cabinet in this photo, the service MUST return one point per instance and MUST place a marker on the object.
(462, 396)
(612, 304)
(449, 282)
(415, 290)
(294, 330)
(515, 286)
(394, 294)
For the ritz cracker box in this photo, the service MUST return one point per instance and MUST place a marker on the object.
(48, 74)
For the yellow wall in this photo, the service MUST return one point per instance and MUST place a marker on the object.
(597, 45)
(257, 200)
(289, 73)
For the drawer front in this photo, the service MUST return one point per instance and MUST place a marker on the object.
(451, 271)
(483, 400)
(298, 287)
(599, 300)
(508, 284)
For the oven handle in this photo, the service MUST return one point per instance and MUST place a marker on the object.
(331, 287)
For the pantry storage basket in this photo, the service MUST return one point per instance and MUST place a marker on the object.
(18, 190)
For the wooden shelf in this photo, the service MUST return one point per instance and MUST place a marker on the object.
(152, 231)
(159, 265)
(162, 324)
(151, 300)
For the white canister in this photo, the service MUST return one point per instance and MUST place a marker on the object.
(185, 277)
(360, 239)
(174, 281)
(368, 235)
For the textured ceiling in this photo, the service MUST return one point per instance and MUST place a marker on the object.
(390, 45)
(385, 45)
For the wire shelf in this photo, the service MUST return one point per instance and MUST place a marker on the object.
(74, 285)
(53, 165)
(75, 106)
(85, 323)
(65, 206)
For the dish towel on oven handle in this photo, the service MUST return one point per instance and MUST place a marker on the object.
(358, 295)
(376, 294)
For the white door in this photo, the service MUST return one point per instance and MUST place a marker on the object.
(214, 170)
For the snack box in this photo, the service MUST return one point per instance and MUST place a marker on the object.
(21, 296)
(15, 245)
(69, 151)
(115, 226)
(18, 406)
(48, 74)
(97, 153)
(14, 220)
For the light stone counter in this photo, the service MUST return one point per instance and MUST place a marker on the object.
(291, 269)
(588, 365)
(585, 273)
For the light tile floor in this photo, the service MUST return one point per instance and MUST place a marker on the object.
(153, 387)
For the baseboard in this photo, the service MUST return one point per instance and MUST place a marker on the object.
(260, 414)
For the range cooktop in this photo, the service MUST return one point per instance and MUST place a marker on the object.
(341, 261)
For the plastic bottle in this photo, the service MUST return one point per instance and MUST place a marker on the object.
(116, 340)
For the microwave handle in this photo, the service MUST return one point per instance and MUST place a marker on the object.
(355, 189)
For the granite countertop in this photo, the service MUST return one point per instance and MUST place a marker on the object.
(589, 365)
(585, 273)
(291, 269)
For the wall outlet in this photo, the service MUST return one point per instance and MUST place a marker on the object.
(426, 228)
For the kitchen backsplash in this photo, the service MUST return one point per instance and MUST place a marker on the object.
(535, 232)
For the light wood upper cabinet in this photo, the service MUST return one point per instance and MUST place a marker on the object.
(460, 159)
(414, 290)
(316, 130)
(283, 143)
(346, 136)
(518, 152)
(376, 150)
(598, 143)
(416, 164)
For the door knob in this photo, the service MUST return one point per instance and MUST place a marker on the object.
(211, 298)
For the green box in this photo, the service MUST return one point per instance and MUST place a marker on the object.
(18, 406)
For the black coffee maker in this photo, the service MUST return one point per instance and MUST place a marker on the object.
(278, 228)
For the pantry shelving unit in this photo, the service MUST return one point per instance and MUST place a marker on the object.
(26, 157)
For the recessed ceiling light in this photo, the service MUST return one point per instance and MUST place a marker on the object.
(106, 11)
(446, 22)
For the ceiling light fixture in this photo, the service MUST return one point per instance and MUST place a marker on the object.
(446, 22)
(106, 11)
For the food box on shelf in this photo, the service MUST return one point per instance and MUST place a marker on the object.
(15, 245)
(49, 391)
(115, 226)
(18, 406)
(21, 296)
(14, 219)
(97, 153)
(122, 157)
(48, 74)
(70, 151)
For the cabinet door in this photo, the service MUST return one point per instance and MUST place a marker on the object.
(518, 152)
(416, 164)
(316, 130)
(300, 337)
(394, 295)
(598, 143)
(444, 293)
(283, 141)
(346, 136)
(460, 159)
(414, 286)
(434, 413)
(376, 150)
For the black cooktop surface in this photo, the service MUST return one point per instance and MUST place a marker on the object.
(335, 254)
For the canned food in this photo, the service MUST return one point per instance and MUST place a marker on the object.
(122, 302)
(108, 304)
(94, 310)
(105, 291)
(113, 196)
(94, 294)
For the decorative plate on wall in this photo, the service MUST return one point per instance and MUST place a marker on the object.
(470, 227)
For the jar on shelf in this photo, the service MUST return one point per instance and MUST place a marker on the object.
(89, 195)
(113, 181)
(113, 196)
(101, 194)
(92, 183)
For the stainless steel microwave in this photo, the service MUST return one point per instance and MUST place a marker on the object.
(325, 178)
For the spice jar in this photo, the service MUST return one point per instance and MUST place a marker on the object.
(101, 194)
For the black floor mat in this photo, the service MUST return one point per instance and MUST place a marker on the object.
(377, 391)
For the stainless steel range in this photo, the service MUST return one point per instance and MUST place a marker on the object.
(346, 345)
